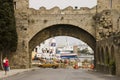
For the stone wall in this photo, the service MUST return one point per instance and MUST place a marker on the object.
(39, 22)
(68, 10)
(107, 53)
(108, 29)
(108, 4)
(107, 36)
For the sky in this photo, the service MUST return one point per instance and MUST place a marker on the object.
(36, 4)
(66, 41)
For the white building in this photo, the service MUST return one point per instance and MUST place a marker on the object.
(53, 45)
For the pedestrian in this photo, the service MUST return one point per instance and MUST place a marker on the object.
(66, 63)
(6, 65)
(92, 66)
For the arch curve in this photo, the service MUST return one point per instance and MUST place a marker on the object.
(62, 30)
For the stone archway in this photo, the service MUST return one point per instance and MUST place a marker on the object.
(102, 55)
(33, 27)
(112, 53)
(107, 57)
(98, 55)
(112, 61)
(61, 30)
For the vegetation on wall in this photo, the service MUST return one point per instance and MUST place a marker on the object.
(84, 51)
(112, 66)
(8, 34)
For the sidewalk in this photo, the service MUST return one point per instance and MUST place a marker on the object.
(12, 72)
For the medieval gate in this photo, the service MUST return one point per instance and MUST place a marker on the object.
(94, 26)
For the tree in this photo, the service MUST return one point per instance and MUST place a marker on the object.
(85, 51)
(8, 34)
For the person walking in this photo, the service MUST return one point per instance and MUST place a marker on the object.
(6, 65)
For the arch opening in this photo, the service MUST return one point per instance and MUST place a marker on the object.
(107, 57)
(61, 30)
(98, 55)
(112, 61)
(102, 55)
(60, 48)
(112, 53)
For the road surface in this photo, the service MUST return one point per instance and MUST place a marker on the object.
(60, 74)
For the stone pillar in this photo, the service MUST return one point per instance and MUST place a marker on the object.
(20, 59)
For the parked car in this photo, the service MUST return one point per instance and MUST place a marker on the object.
(49, 65)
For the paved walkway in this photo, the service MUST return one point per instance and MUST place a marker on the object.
(12, 72)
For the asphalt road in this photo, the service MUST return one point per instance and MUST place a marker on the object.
(60, 74)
